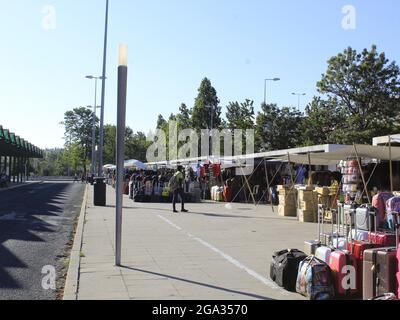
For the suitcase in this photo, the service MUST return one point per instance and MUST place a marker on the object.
(382, 239)
(314, 280)
(323, 253)
(285, 266)
(310, 247)
(398, 283)
(359, 235)
(380, 267)
(379, 202)
(344, 269)
(228, 194)
(365, 218)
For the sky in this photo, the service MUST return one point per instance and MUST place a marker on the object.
(49, 46)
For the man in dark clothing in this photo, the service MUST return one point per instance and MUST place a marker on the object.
(177, 189)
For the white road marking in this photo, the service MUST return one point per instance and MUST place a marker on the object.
(254, 274)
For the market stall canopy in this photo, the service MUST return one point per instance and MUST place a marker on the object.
(110, 167)
(334, 157)
(135, 164)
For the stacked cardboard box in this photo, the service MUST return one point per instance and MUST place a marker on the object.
(287, 201)
(307, 205)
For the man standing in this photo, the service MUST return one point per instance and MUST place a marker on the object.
(176, 185)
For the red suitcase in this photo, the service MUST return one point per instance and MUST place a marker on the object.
(383, 239)
(344, 270)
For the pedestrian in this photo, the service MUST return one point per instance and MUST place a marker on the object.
(176, 185)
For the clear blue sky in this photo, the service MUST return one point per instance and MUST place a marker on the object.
(173, 45)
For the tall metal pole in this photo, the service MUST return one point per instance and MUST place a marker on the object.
(391, 165)
(121, 118)
(103, 92)
(94, 129)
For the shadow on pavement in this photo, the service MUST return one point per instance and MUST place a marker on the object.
(251, 295)
(19, 221)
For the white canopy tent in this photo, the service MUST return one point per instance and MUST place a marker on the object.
(356, 151)
(135, 164)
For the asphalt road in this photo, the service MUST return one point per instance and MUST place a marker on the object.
(36, 225)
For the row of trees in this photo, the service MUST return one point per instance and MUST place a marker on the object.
(358, 100)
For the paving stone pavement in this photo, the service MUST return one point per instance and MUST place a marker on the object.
(213, 252)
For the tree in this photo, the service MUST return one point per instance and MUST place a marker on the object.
(135, 144)
(183, 118)
(206, 107)
(78, 130)
(278, 129)
(367, 87)
(161, 122)
(240, 115)
(109, 150)
(322, 119)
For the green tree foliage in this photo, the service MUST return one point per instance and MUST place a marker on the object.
(78, 130)
(278, 128)
(206, 107)
(367, 87)
(135, 144)
(240, 115)
(322, 118)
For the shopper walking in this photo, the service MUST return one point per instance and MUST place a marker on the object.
(176, 185)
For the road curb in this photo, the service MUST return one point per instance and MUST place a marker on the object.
(20, 186)
(72, 281)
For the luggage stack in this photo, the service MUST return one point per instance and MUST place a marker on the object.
(287, 201)
(361, 257)
(307, 204)
(351, 179)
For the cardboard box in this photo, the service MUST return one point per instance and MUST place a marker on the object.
(325, 191)
(308, 205)
(287, 211)
(308, 196)
(306, 216)
(288, 201)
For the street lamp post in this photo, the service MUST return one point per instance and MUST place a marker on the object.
(103, 92)
(299, 95)
(265, 87)
(121, 121)
(93, 169)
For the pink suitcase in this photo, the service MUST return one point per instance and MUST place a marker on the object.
(379, 202)
(344, 265)
(398, 281)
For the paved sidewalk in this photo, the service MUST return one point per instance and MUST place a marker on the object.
(213, 252)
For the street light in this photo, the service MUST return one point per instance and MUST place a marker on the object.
(93, 169)
(103, 93)
(298, 95)
(265, 87)
(121, 122)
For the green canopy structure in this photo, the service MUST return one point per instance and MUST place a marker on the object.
(15, 153)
